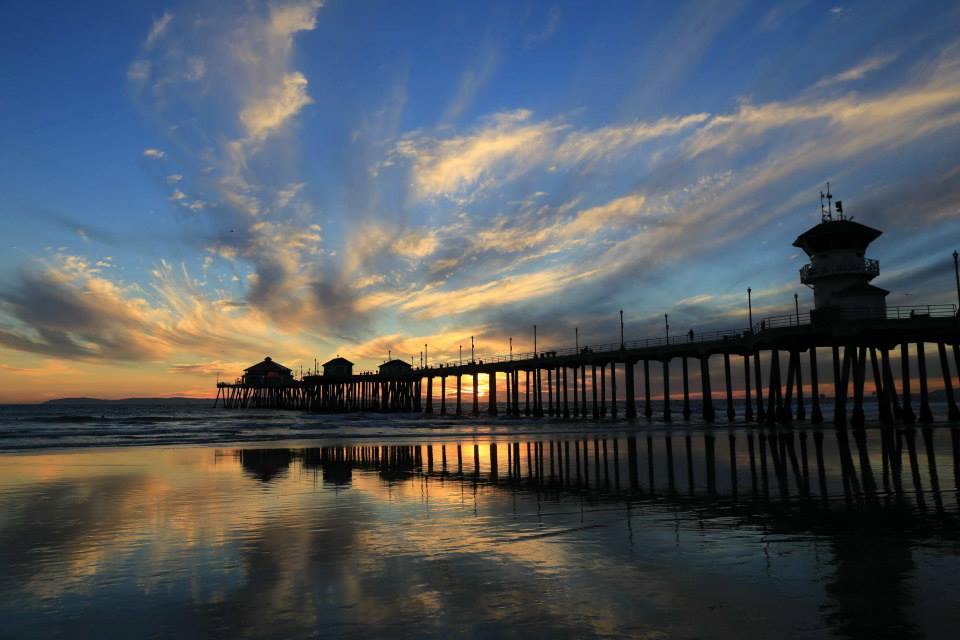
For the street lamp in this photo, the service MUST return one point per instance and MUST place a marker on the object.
(534, 341)
(511, 347)
(472, 359)
(796, 305)
(750, 307)
(621, 328)
(426, 356)
(666, 323)
(461, 355)
(956, 273)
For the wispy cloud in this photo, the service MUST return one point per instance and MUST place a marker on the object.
(857, 72)
(158, 28)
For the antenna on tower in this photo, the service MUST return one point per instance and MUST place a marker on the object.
(826, 205)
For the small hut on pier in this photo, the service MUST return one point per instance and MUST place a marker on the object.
(395, 368)
(267, 372)
(337, 368)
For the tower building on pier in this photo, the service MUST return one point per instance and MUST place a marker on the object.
(839, 271)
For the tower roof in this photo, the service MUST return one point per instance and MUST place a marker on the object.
(338, 360)
(836, 234)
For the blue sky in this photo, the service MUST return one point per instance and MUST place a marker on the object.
(189, 186)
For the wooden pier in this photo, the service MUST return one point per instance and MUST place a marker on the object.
(774, 359)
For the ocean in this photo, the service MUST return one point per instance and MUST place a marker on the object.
(161, 519)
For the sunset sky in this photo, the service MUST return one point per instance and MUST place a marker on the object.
(188, 187)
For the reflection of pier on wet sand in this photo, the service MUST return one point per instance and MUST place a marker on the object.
(785, 466)
(866, 499)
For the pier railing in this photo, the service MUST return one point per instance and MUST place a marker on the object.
(869, 266)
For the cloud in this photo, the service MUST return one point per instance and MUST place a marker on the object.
(472, 80)
(158, 28)
(542, 35)
(267, 114)
(288, 193)
(156, 154)
(68, 309)
(857, 72)
(509, 144)
(449, 166)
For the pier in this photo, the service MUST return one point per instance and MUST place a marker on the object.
(774, 360)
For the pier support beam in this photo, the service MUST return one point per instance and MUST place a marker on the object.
(686, 387)
(773, 389)
(429, 394)
(526, 393)
(576, 395)
(476, 392)
(731, 414)
(759, 380)
(550, 392)
(860, 355)
(603, 390)
(566, 405)
(647, 408)
(443, 394)
(747, 394)
(666, 390)
(816, 416)
(883, 395)
(706, 389)
(629, 383)
(908, 416)
(613, 389)
(492, 393)
(583, 389)
(952, 412)
(926, 417)
(889, 385)
(459, 392)
(801, 410)
(593, 389)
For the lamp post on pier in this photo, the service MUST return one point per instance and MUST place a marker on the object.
(535, 341)
(461, 355)
(956, 273)
(576, 338)
(426, 357)
(621, 328)
(796, 306)
(750, 307)
(511, 347)
(666, 324)
(472, 359)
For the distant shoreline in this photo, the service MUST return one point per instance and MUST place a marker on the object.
(171, 400)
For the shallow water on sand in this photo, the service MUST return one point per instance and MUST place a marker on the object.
(590, 531)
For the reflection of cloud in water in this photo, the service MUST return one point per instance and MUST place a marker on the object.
(186, 532)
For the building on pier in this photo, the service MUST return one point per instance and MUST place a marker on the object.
(395, 368)
(337, 368)
(267, 372)
(839, 271)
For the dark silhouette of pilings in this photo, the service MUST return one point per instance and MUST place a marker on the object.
(862, 375)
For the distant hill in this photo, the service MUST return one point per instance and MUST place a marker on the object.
(168, 401)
